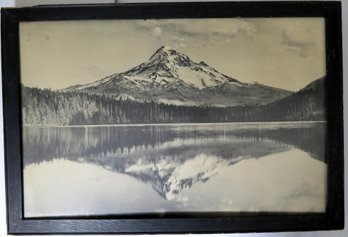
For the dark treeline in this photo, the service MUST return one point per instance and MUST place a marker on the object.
(306, 104)
(47, 107)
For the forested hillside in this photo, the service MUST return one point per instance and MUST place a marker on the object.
(306, 104)
(45, 107)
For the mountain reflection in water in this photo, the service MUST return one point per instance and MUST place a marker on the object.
(171, 158)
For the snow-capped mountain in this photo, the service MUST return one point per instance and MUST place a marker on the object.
(172, 77)
(167, 66)
(171, 178)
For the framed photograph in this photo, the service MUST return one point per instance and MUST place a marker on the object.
(173, 117)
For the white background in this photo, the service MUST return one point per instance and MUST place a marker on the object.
(12, 3)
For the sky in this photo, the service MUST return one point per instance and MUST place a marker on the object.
(287, 53)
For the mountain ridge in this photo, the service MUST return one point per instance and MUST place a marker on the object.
(173, 78)
(44, 107)
(307, 103)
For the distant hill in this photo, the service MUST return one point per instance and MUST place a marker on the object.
(305, 104)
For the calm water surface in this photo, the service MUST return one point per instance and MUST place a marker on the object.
(174, 168)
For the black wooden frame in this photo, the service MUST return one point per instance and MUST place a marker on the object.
(195, 223)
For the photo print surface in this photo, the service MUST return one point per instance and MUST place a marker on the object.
(173, 116)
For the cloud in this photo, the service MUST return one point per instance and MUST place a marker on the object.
(179, 45)
(157, 31)
(297, 46)
(212, 28)
(207, 28)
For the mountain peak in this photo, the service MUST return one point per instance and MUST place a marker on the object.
(166, 48)
(166, 52)
(168, 57)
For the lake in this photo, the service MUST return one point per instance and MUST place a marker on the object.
(174, 168)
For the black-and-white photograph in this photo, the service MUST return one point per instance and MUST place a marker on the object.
(173, 116)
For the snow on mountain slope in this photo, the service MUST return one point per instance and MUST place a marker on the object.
(95, 84)
(173, 77)
(180, 177)
(167, 66)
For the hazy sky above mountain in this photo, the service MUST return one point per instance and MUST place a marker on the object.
(287, 53)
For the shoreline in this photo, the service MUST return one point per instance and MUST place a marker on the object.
(171, 124)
